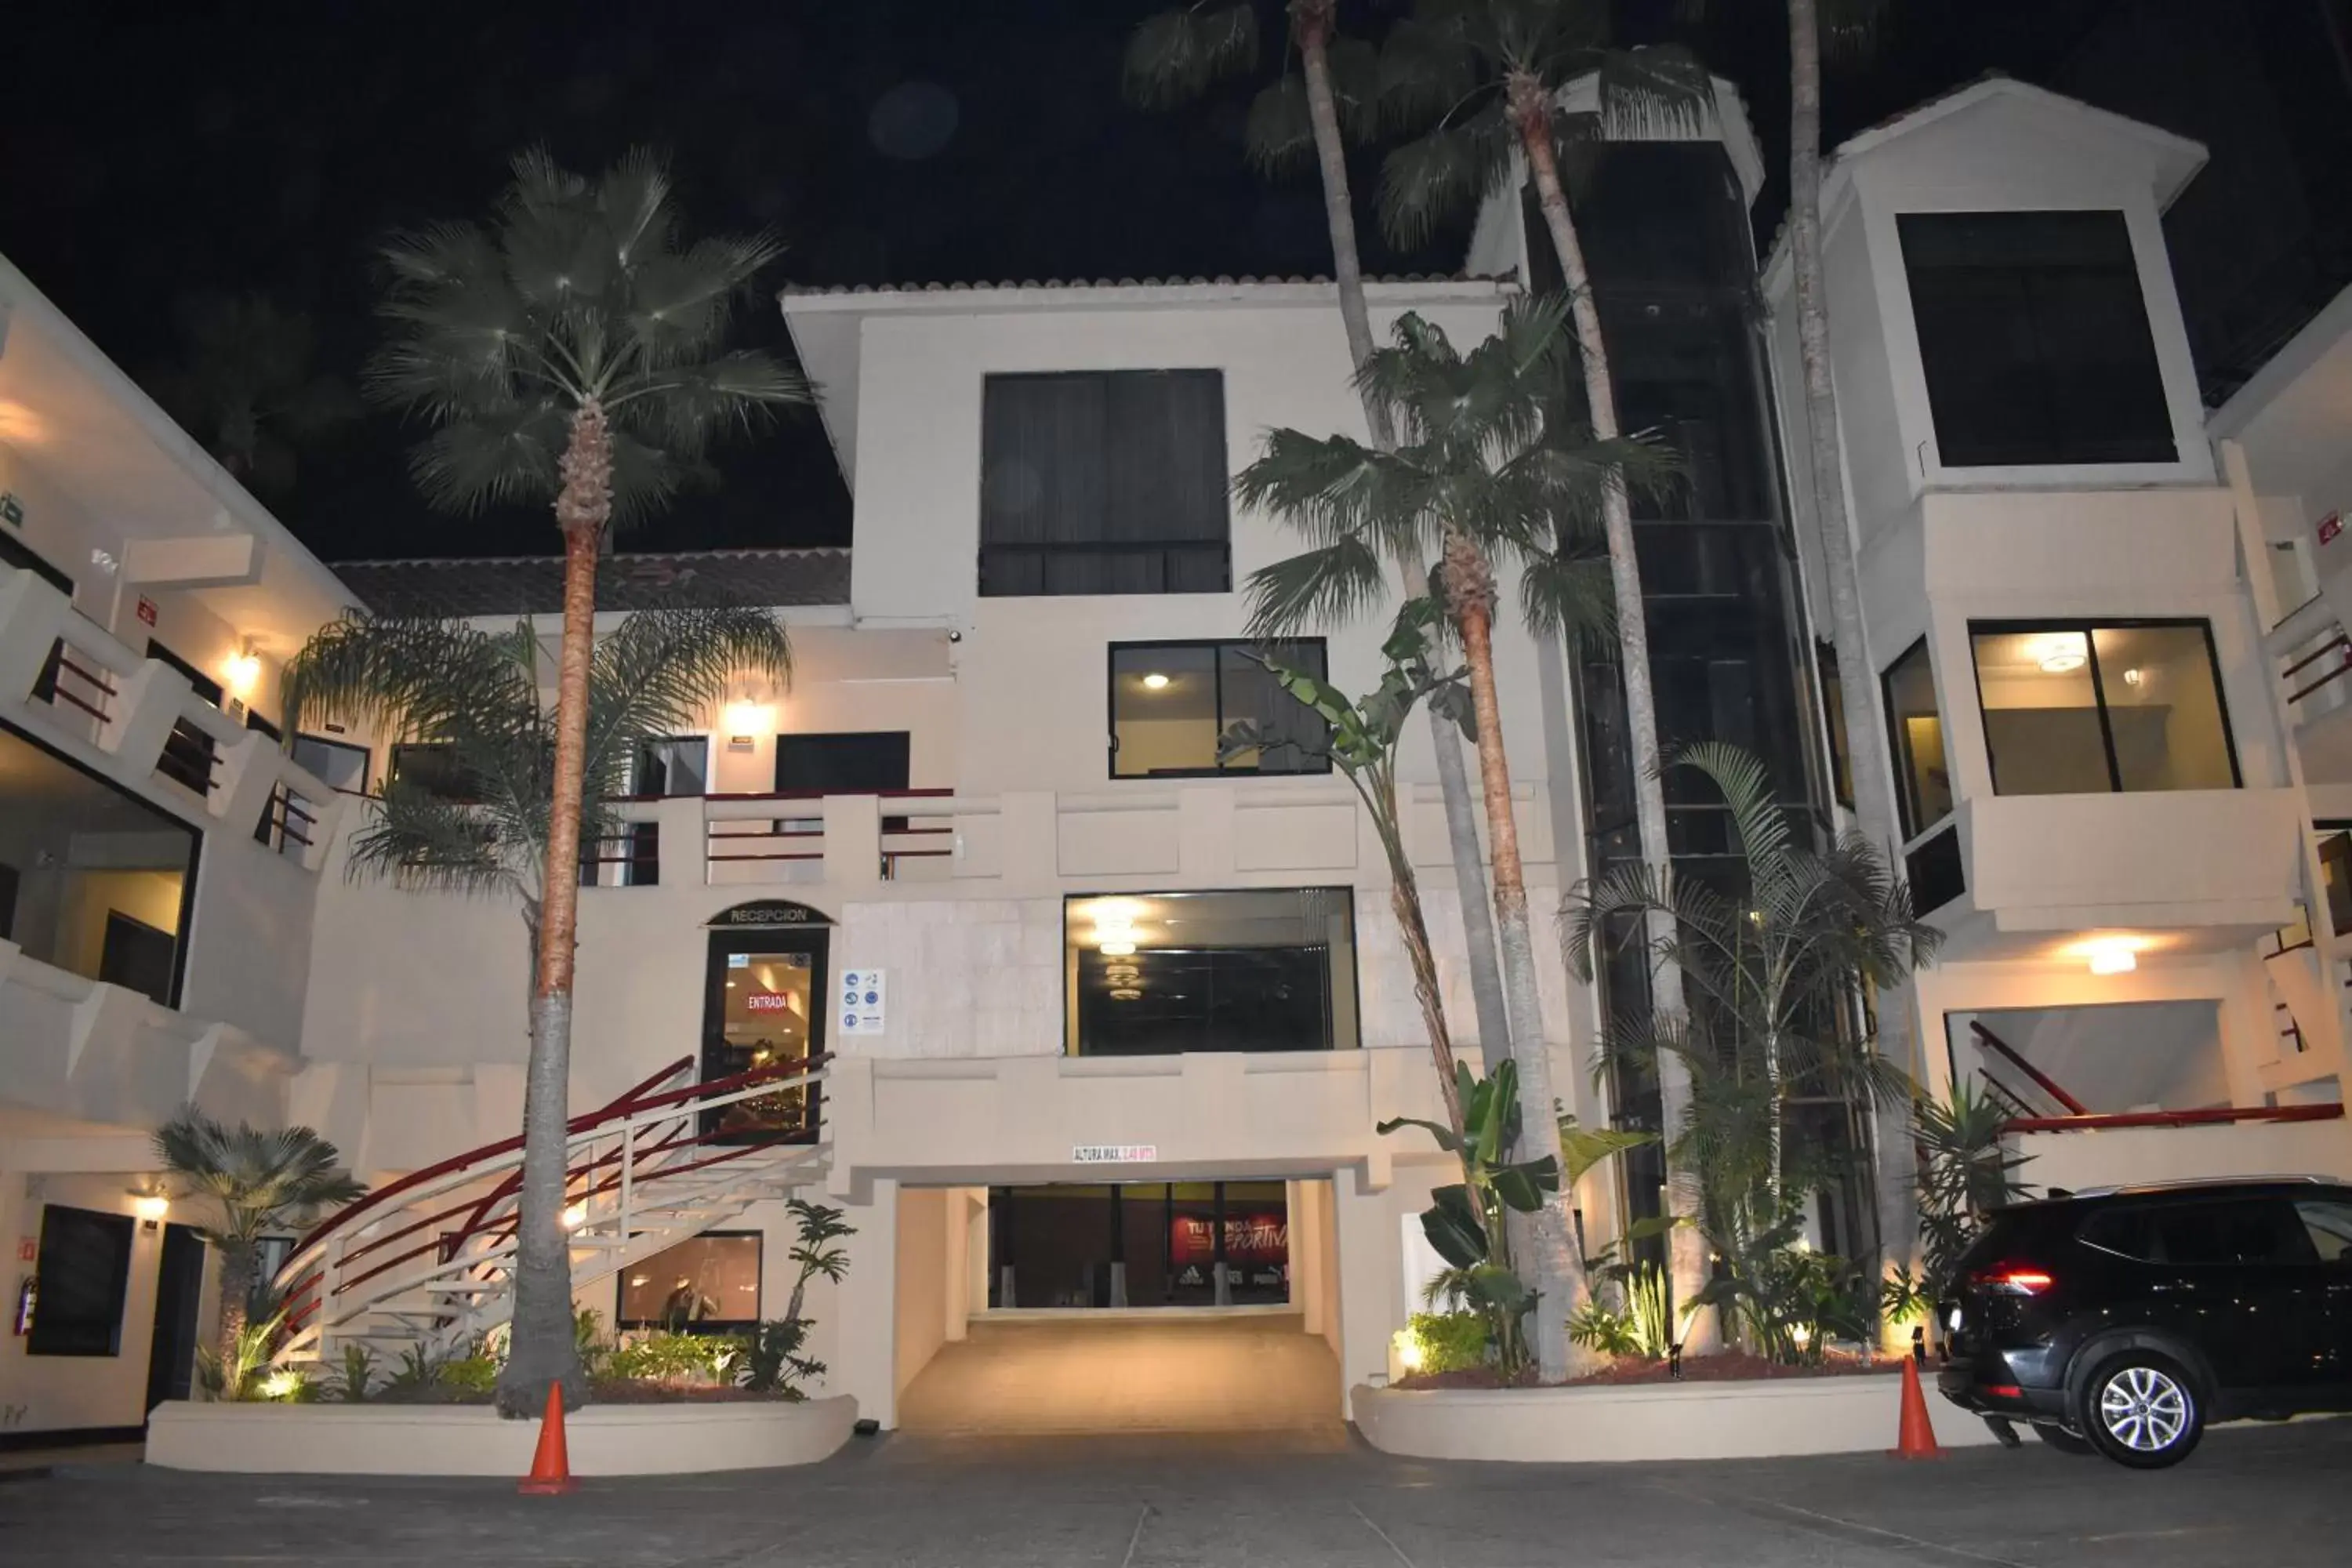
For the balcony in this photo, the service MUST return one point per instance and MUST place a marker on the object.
(2208, 869)
(2079, 1151)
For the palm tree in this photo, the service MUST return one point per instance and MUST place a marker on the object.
(1772, 966)
(259, 1182)
(1173, 57)
(243, 386)
(486, 824)
(1485, 77)
(574, 351)
(1486, 463)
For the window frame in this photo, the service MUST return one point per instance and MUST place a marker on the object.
(80, 1340)
(1899, 743)
(758, 1238)
(1111, 651)
(2088, 626)
(1045, 550)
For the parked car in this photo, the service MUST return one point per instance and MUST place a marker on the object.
(2121, 1321)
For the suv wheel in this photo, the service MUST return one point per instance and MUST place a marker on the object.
(2140, 1408)
(2065, 1442)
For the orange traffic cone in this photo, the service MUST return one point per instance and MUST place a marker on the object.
(551, 1468)
(1916, 1440)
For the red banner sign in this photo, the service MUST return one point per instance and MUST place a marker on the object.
(1249, 1238)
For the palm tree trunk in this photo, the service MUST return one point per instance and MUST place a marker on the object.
(1873, 804)
(544, 1348)
(1530, 103)
(236, 1268)
(1548, 1247)
(1312, 23)
(1404, 900)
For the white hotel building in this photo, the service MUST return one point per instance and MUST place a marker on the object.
(999, 751)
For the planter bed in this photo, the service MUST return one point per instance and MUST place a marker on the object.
(1794, 1411)
(671, 1438)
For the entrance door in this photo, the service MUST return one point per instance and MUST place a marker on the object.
(179, 1282)
(765, 1006)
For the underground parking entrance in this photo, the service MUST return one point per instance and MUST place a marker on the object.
(1137, 1307)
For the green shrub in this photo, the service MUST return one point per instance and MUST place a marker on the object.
(661, 1356)
(1449, 1342)
(358, 1375)
(772, 1360)
(469, 1374)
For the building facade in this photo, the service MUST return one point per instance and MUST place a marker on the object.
(1107, 1011)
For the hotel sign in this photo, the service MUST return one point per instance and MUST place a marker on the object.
(769, 913)
(1114, 1153)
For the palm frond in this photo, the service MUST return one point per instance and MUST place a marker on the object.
(1569, 598)
(662, 670)
(1278, 136)
(1659, 91)
(1442, 173)
(1330, 585)
(1179, 54)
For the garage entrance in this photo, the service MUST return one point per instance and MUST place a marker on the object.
(1142, 1307)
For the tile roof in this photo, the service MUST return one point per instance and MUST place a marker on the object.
(533, 584)
(796, 292)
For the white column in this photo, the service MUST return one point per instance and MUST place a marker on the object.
(1371, 1278)
(865, 1338)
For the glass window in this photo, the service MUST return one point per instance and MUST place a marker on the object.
(763, 1021)
(1104, 482)
(2336, 869)
(2249, 1230)
(2088, 710)
(711, 1282)
(1833, 722)
(81, 1280)
(95, 881)
(1923, 777)
(2328, 1222)
(1160, 974)
(1174, 705)
(2034, 337)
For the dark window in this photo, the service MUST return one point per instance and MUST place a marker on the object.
(2035, 339)
(83, 1274)
(8, 883)
(254, 721)
(667, 768)
(710, 1282)
(2244, 1230)
(137, 957)
(2125, 1232)
(1923, 775)
(15, 553)
(1934, 870)
(1160, 973)
(2328, 1222)
(1833, 684)
(2079, 709)
(2335, 870)
(1104, 482)
(188, 753)
(1175, 706)
(860, 763)
(433, 767)
(339, 764)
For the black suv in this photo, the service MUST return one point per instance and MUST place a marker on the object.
(2124, 1320)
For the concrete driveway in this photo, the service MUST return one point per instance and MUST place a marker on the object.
(1157, 1373)
(2268, 1496)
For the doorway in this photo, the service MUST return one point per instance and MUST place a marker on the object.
(179, 1287)
(765, 1006)
(1139, 1244)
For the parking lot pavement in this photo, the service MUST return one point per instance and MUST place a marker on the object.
(2274, 1496)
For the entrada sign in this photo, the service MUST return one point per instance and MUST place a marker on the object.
(770, 912)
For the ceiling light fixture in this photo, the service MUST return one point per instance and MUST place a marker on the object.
(2112, 954)
(1155, 681)
(2063, 653)
(1127, 994)
(1118, 949)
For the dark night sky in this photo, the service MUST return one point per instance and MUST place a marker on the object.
(151, 152)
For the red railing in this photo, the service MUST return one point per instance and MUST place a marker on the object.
(2339, 641)
(2041, 1080)
(2222, 1116)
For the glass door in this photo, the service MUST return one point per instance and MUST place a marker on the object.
(761, 1011)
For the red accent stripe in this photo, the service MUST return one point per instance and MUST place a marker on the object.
(2175, 1118)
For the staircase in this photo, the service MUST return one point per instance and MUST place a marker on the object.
(427, 1261)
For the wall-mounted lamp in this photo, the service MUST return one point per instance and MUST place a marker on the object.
(151, 1203)
(243, 670)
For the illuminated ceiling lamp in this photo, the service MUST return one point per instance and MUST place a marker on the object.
(1155, 681)
(1115, 949)
(2112, 954)
(2063, 653)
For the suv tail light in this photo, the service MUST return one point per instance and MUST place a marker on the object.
(2012, 1280)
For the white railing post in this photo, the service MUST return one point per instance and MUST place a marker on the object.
(681, 842)
(853, 841)
(1028, 842)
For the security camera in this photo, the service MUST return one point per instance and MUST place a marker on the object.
(955, 637)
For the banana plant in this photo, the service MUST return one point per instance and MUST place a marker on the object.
(1465, 1222)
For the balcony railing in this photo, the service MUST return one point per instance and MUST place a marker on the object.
(66, 680)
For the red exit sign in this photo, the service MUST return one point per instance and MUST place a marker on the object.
(2330, 526)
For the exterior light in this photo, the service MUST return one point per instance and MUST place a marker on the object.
(2134, 677)
(1155, 681)
(1408, 1349)
(575, 1216)
(150, 1206)
(1800, 1334)
(244, 671)
(744, 720)
(2112, 957)
(1118, 949)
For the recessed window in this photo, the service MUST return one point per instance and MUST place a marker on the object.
(709, 1282)
(2078, 708)
(1923, 776)
(2035, 336)
(81, 1280)
(1832, 686)
(1176, 706)
(1104, 482)
(1254, 970)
